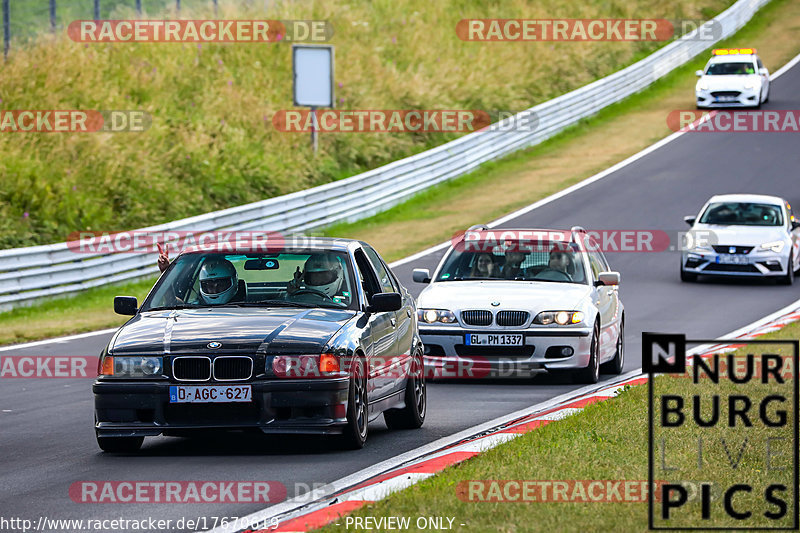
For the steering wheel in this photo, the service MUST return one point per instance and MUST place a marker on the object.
(548, 270)
(310, 291)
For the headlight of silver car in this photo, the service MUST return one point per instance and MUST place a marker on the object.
(562, 318)
(775, 246)
(429, 316)
(137, 367)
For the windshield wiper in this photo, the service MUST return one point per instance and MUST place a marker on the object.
(169, 308)
(266, 303)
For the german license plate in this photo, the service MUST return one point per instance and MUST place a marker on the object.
(726, 99)
(210, 394)
(732, 259)
(492, 339)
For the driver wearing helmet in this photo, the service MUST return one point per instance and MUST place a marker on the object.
(218, 281)
(321, 274)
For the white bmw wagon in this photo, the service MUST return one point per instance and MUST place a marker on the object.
(518, 302)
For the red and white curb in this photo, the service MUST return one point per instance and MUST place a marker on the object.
(328, 505)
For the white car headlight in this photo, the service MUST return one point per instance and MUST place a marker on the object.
(749, 85)
(562, 318)
(775, 246)
(702, 86)
(137, 367)
(701, 249)
(429, 316)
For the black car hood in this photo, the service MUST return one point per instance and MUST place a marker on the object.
(241, 330)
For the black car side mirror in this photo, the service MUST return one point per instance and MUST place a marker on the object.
(689, 220)
(125, 305)
(385, 301)
(795, 224)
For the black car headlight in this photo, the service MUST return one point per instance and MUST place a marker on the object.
(136, 367)
(429, 316)
(562, 318)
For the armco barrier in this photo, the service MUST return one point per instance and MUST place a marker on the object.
(40, 271)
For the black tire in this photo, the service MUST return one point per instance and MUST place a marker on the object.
(355, 432)
(615, 365)
(412, 416)
(688, 276)
(788, 278)
(120, 444)
(590, 374)
(766, 98)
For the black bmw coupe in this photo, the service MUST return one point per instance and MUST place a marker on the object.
(318, 338)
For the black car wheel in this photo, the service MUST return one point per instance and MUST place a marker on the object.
(412, 416)
(120, 444)
(355, 432)
(788, 279)
(591, 374)
(615, 365)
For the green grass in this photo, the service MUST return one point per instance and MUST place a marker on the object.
(605, 441)
(211, 144)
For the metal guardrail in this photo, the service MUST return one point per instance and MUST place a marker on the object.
(27, 274)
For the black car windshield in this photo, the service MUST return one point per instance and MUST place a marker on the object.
(545, 261)
(728, 69)
(313, 278)
(742, 214)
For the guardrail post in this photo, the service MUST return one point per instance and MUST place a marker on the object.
(139, 7)
(6, 29)
(96, 9)
(53, 16)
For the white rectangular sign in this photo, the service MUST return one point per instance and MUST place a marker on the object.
(313, 75)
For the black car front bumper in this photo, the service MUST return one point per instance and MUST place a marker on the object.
(308, 406)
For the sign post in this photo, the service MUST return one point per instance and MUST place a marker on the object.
(312, 68)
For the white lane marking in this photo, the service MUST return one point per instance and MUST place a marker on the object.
(58, 339)
(381, 490)
(485, 443)
(560, 414)
(579, 185)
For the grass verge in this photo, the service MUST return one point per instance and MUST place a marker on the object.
(606, 441)
(493, 190)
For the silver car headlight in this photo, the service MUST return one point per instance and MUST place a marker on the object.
(137, 367)
(562, 318)
(429, 316)
(775, 246)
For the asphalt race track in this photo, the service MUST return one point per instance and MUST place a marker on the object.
(47, 438)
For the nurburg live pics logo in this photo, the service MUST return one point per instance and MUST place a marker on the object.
(728, 416)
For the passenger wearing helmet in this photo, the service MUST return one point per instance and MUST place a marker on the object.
(218, 281)
(321, 273)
